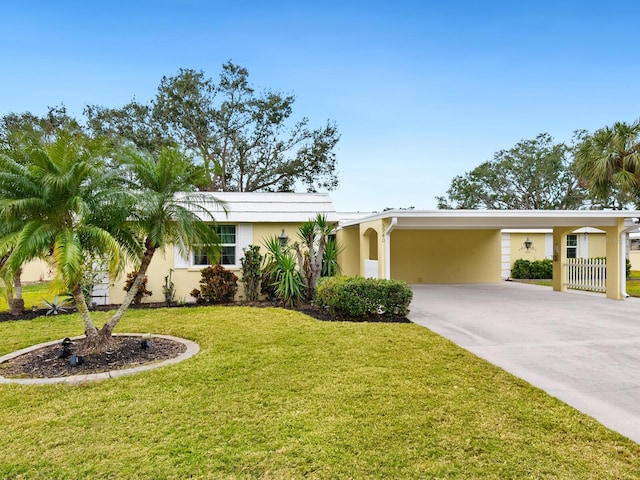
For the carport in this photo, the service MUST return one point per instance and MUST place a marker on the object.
(464, 246)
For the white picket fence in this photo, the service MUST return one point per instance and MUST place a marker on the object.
(587, 274)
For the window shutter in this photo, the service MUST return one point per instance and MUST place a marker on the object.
(178, 260)
(244, 239)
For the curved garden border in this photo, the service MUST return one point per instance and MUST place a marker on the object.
(192, 349)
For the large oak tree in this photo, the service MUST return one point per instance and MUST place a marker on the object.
(244, 140)
(534, 174)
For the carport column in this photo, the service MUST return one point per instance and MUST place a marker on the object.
(560, 257)
(387, 247)
(614, 260)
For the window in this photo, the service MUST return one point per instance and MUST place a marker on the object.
(227, 234)
(572, 246)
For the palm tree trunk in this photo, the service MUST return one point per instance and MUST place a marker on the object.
(90, 330)
(108, 327)
(16, 302)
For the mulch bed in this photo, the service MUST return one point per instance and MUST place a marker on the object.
(126, 352)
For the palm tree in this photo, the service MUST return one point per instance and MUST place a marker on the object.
(53, 196)
(64, 202)
(166, 213)
(608, 162)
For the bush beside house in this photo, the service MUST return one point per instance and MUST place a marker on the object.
(537, 269)
(358, 297)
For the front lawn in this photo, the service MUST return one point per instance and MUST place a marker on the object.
(633, 284)
(275, 394)
(34, 295)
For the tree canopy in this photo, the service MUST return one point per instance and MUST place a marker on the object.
(608, 164)
(72, 199)
(534, 174)
(243, 140)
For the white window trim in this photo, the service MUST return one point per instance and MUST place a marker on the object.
(244, 238)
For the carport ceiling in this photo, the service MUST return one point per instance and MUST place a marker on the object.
(501, 219)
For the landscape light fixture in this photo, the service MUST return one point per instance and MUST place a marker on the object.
(146, 344)
(76, 360)
(66, 348)
(283, 238)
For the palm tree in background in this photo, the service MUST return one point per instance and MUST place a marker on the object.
(608, 163)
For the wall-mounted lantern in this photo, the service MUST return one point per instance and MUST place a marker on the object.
(528, 244)
(283, 238)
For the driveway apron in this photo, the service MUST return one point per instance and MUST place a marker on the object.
(579, 347)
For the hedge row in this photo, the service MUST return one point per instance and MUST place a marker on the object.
(363, 297)
(526, 269)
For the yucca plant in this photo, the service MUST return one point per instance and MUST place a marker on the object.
(313, 236)
(330, 266)
(281, 273)
(289, 280)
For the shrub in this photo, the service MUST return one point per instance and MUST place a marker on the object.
(217, 285)
(521, 269)
(330, 266)
(251, 271)
(363, 297)
(282, 278)
(142, 288)
(525, 269)
(542, 269)
(289, 280)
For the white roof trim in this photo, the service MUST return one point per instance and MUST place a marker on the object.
(501, 219)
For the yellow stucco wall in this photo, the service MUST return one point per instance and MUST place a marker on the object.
(372, 244)
(264, 230)
(349, 257)
(446, 256)
(36, 271)
(537, 250)
(597, 243)
(186, 279)
(634, 257)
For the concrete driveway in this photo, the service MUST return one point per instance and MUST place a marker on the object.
(579, 347)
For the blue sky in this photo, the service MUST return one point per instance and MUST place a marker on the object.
(421, 90)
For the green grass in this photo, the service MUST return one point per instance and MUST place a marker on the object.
(544, 283)
(275, 394)
(633, 283)
(33, 296)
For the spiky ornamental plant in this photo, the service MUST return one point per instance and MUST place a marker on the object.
(282, 272)
(313, 236)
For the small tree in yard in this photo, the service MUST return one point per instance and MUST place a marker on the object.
(68, 203)
(313, 236)
(251, 265)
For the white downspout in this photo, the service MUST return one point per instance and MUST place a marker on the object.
(387, 248)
